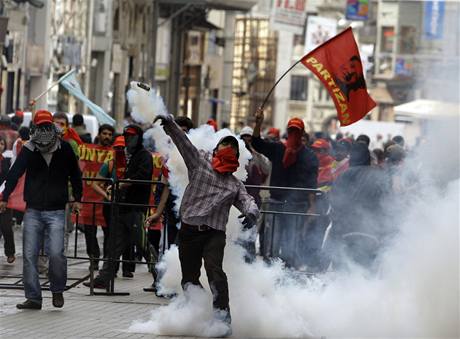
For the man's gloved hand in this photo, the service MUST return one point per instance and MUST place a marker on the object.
(161, 118)
(248, 222)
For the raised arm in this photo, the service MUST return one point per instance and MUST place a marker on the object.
(264, 147)
(189, 152)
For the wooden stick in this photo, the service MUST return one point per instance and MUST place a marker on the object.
(276, 83)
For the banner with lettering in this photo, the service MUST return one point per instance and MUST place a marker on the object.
(92, 157)
(338, 66)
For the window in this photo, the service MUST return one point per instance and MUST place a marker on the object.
(299, 87)
(388, 38)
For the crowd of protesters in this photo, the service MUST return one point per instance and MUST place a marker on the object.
(307, 175)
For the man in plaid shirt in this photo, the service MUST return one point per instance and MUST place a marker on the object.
(204, 211)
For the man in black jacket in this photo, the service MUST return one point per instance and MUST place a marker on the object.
(295, 166)
(49, 164)
(129, 220)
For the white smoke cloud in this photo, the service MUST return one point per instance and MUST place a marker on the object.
(145, 104)
(414, 294)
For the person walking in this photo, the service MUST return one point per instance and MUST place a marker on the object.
(6, 218)
(204, 212)
(50, 164)
(104, 140)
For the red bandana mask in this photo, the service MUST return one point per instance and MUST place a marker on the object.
(225, 161)
(293, 145)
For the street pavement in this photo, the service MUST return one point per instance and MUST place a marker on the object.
(83, 316)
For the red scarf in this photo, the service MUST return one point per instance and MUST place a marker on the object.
(293, 146)
(225, 161)
(70, 133)
(120, 163)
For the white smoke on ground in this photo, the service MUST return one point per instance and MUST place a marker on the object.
(415, 293)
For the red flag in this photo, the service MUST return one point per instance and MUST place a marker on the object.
(338, 65)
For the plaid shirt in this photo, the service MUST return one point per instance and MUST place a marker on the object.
(209, 194)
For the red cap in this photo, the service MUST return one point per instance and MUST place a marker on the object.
(130, 131)
(213, 123)
(274, 131)
(43, 117)
(19, 114)
(119, 141)
(296, 123)
(321, 144)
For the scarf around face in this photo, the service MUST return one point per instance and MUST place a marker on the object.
(225, 161)
(44, 137)
(293, 146)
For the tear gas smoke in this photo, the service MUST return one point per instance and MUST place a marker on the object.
(415, 292)
(145, 104)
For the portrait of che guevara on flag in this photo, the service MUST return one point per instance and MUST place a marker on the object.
(338, 66)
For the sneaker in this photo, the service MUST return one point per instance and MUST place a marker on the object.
(128, 275)
(29, 305)
(10, 259)
(58, 300)
(98, 283)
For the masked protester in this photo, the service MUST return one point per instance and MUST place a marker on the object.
(129, 227)
(204, 211)
(49, 164)
(115, 169)
(357, 212)
(322, 149)
(342, 157)
(293, 165)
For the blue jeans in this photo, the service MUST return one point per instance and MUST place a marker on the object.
(48, 226)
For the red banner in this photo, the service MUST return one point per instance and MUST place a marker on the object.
(338, 66)
(92, 157)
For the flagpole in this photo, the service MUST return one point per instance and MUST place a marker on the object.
(33, 101)
(276, 83)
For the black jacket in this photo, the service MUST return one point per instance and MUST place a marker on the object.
(140, 167)
(46, 187)
(304, 173)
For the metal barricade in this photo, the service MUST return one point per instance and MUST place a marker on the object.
(289, 232)
(286, 226)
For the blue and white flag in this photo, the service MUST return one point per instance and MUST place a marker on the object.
(71, 84)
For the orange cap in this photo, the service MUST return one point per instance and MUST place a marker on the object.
(296, 123)
(321, 144)
(119, 141)
(43, 117)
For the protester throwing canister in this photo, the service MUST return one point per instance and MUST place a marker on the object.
(204, 211)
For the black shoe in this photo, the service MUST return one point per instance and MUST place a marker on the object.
(98, 283)
(58, 300)
(29, 305)
(128, 275)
